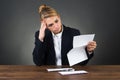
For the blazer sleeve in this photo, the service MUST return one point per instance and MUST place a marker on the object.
(89, 57)
(39, 51)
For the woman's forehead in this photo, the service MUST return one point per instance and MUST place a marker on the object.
(51, 19)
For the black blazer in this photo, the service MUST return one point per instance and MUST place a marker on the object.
(44, 53)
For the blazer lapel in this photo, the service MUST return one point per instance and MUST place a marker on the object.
(67, 40)
(51, 56)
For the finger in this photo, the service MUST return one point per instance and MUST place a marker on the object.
(91, 48)
(92, 44)
(43, 26)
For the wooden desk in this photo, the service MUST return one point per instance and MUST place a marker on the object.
(96, 72)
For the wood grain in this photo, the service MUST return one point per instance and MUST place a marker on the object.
(32, 72)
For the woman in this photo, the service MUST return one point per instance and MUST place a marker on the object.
(54, 40)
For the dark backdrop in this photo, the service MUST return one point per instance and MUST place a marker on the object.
(19, 20)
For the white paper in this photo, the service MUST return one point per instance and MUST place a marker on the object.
(82, 40)
(78, 53)
(60, 69)
(73, 72)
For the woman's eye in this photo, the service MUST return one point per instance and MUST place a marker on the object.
(50, 25)
(56, 21)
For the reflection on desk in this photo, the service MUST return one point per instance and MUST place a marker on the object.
(31, 72)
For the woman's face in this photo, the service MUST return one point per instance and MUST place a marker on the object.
(54, 24)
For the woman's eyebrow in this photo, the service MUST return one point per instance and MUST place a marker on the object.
(49, 25)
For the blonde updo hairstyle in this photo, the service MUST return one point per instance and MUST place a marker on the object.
(46, 11)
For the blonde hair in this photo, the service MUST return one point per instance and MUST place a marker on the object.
(47, 11)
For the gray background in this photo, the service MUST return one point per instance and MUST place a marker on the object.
(19, 20)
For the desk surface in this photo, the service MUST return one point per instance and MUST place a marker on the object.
(31, 72)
